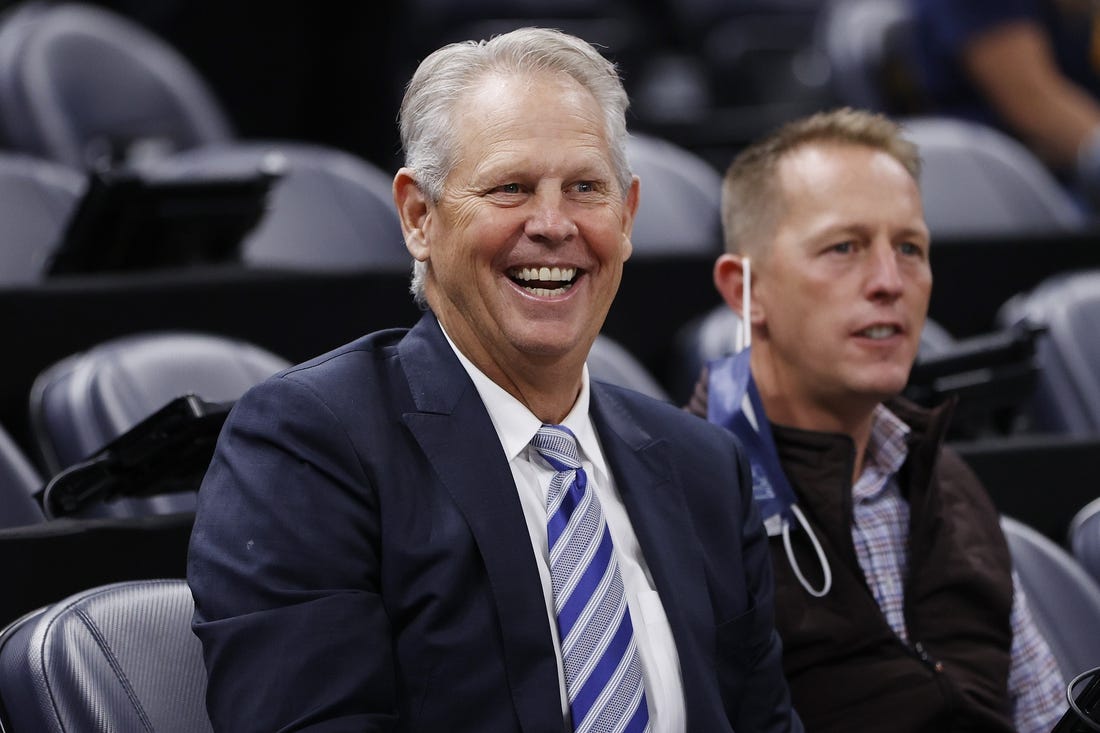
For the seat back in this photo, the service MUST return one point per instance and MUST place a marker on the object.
(680, 206)
(87, 87)
(1084, 537)
(1067, 396)
(119, 657)
(976, 181)
(36, 198)
(87, 399)
(1064, 599)
(18, 482)
(609, 362)
(330, 210)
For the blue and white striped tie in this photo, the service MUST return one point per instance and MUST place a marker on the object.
(602, 673)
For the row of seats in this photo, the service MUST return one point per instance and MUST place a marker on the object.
(80, 403)
(67, 66)
(122, 656)
(86, 400)
(330, 211)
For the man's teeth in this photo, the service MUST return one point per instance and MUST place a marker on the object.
(555, 274)
(879, 332)
(538, 276)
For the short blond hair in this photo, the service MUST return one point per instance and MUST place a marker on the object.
(752, 201)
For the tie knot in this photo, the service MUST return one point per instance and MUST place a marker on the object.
(558, 445)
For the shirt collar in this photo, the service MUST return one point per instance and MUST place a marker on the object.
(516, 425)
(886, 451)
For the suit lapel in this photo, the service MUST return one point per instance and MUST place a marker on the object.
(455, 432)
(654, 498)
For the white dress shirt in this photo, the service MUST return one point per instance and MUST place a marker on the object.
(515, 427)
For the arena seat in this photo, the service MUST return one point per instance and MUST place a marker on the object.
(116, 657)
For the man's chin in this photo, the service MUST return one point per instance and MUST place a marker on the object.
(882, 389)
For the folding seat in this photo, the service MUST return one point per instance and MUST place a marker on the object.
(1063, 598)
(119, 657)
(18, 482)
(87, 399)
(681, 194)
(976, 181)
(1084, 537)
(1067, 396)
(36, 198)
(609, 362)
(86, 87)
(330, 211)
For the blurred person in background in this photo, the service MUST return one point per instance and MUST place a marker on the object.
(1028, 67)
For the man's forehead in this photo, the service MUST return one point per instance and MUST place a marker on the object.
(500, 131)
(839, 185)
(842, 158)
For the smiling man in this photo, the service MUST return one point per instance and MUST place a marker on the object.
(895, 595)
(452, 528)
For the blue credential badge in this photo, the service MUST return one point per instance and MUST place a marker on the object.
(734, 403)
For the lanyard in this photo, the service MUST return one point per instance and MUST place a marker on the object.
(733, 402)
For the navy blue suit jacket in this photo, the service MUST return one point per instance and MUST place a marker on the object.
(360, 559)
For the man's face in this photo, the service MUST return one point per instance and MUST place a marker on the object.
(843, 290)
(527, 244)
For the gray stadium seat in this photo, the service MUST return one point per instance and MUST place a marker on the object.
(119, 657)
(681, 194)
(36, 198)
(1064, 599)
(87, 399)
(87, 87)
(610, 362)
(18, 482)
(979, 182)
(1084, 537)
(1067, 397)
(329, 211)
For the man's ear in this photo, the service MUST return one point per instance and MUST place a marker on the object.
(729, 279)
(414, 210)
(630, 209)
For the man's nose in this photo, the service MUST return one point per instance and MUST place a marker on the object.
(884, 277)
(550, 219)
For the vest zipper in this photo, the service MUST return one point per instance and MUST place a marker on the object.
(946, 685)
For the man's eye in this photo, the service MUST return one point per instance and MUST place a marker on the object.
(911, 250)
(841, 247)
(507, 188)
(585, 187)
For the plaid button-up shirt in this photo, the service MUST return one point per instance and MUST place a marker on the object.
(880, 530)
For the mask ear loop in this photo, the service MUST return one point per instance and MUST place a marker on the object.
(744, 338)
(826, 570)
(744, 330)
